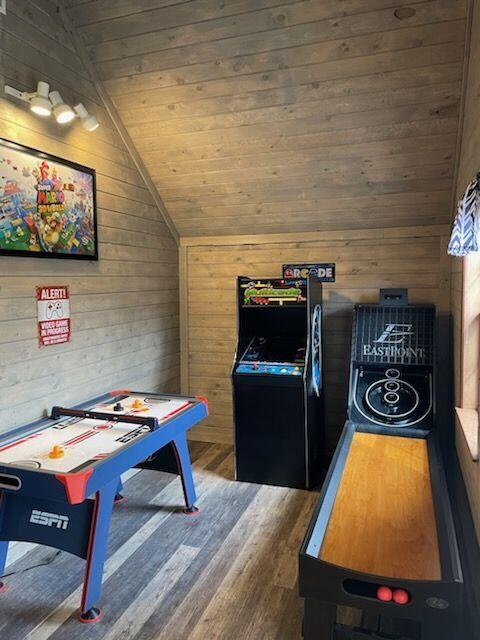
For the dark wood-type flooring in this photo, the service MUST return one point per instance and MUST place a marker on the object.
(229, 573)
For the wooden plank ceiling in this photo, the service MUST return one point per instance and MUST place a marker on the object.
(262, 116)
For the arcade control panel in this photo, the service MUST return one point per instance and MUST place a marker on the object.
(269, 368)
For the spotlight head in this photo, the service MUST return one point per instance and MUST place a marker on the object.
(89, 122)
(62, 112)
(39, 102)
(64, 115)
(40, 107)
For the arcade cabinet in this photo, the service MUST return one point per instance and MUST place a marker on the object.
(382, 538)
(277, 382)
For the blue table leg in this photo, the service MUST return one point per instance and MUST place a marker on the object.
(97, 547)
(3, 562)
(180, 447)
(3, 544)
(118, 496)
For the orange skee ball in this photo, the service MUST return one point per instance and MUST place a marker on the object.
(56, 452)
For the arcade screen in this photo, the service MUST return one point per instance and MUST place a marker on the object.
(47, 205)
(275, 349)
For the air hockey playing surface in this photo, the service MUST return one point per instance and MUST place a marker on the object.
(85, 441)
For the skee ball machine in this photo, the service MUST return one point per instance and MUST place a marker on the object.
(277, 382)
(382, 538)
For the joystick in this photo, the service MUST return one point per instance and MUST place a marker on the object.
(118, 407)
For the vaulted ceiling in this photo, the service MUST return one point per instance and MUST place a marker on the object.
(259, 116)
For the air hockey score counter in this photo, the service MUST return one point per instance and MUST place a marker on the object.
(382, 537)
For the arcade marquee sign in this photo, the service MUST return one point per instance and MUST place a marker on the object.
(323, 271)
(274, 292)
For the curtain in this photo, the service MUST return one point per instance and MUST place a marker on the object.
(464, 238)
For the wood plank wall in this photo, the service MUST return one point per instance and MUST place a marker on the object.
(263, 116)
(466, 280)
(125, 307)
(366, 260)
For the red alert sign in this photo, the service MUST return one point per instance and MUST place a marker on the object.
(53, 304)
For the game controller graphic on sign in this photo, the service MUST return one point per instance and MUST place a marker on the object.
(55, 310)
(53, 315)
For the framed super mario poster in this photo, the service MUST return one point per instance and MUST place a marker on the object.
(47, 205)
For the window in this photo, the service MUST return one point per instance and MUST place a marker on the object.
(467, 334)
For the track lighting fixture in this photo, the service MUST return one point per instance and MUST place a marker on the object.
(43, 101)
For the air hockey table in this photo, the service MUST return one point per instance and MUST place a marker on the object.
(60, 476)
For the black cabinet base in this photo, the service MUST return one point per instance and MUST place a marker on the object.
(319, 620)
(320, 623)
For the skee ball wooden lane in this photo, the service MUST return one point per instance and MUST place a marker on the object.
(393, 506)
